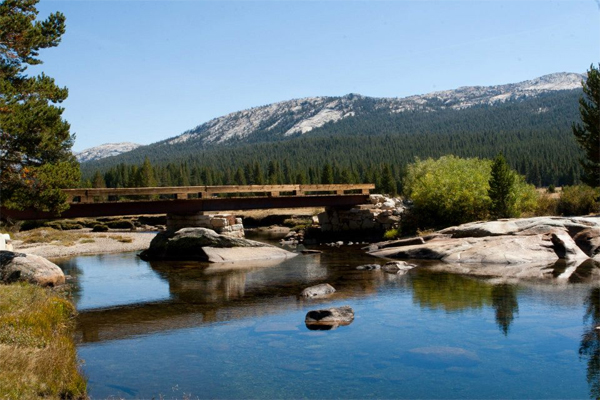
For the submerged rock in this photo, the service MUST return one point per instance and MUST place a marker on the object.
(202, 244)
(397, 267)
(324, 289)
(369, 267)
(332, 317)
(15, 267)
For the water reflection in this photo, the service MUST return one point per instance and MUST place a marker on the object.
(504, 301)
(590, 342)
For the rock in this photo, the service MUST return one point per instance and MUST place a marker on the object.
(588, 240)
(201, 244)
(324, 289)
(397, 267)
(369, 267)
(441, 357)
(333, 317)
(511, 241)
(29, 268)
(311, 252)
(566, 248)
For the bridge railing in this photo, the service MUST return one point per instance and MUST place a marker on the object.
(187, 192)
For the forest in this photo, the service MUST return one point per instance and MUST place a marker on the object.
(533, 133)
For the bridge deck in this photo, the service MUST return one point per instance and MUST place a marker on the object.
(192, 199)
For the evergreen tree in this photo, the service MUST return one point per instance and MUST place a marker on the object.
(239, 178)
(588, 135)
(98, 181)
(146, 178)
(35, 143)
(388, 183)
(327, 175)
(501, 183)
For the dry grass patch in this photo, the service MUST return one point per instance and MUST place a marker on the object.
(36, 346)
(53, 236)
(122, 239)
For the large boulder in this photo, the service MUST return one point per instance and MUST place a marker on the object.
(202, 244)
(15, 267)
(511, 241)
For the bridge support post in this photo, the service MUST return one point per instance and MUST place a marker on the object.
(224, 224)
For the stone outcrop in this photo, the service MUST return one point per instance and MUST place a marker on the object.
(513, 241)
(201, 244)
(588, 240)
(224, 224)
(20, 267)
(382, 214)
(322, 290)
(329, 318)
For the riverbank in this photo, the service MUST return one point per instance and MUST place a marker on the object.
(39, 358)
(49, 243)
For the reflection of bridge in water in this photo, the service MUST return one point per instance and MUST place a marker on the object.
(195, 199)
(205, 294)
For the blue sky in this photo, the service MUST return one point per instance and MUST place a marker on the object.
(143, 71)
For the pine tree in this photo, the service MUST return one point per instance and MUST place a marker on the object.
(588, 135)
(327, 175)
(501, 183)
(388, 183)
(147, 178)
(98, 180)
(35, 143)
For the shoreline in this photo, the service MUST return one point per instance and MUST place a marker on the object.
(93, 243)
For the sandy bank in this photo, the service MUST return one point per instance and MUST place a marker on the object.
(93, 243)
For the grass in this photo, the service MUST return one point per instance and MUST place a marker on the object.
(38, 355)
(122, 239)
(48, 235)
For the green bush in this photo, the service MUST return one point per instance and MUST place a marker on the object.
(546, 205)
(579, 200)
(453, 190)
(392, 234)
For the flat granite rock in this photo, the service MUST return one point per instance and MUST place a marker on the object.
(511, 241)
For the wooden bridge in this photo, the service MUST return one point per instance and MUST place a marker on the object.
(195, 199)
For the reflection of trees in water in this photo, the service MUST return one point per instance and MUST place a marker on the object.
(504, 301)
(590, 342)
(452, 292)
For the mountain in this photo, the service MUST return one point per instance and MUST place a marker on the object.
(300, 116)
(105, 150)
(530, 122)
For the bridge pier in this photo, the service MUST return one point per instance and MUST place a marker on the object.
(224, 224)
(381, 215)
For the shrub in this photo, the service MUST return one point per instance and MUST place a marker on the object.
(392, 234)
(448, 191)
(120, 224)
(453, 190)
(546, 205)
(579, 200)
(100, 228)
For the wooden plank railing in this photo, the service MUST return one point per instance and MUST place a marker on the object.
(184, 192)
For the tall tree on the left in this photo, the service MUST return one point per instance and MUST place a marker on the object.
(35, 142)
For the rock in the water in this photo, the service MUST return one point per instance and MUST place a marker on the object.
(330, 317)
(324, 289)
(369, 267)
(397, 267)
(201, 244)
(588, 240)
(29, 268)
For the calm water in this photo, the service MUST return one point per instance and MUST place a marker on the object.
(185, 330)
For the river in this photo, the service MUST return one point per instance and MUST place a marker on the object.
(193, 330)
